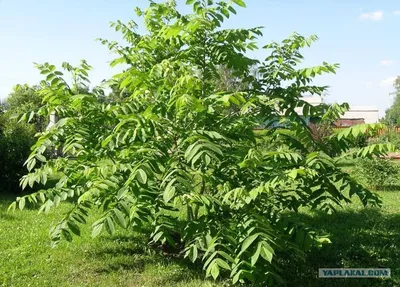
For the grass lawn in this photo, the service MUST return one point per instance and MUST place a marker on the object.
(360, 238)
(26, 258)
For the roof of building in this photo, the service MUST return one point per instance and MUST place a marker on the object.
(352, 119)
(363, 109)
(313, 100)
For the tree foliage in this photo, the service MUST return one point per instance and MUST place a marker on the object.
(393, 113)
(26, 98)
(180, 142)
(15, 142)
(17, 138)
(378, 173)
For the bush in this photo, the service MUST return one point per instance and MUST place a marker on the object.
(392, 137)
(15, 142)
(359, 141)
(378, 173)
(322, 131)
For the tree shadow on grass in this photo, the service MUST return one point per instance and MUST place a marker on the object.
(5, 201)
(7, 198)
(128, 253)
(360, 239)
(6, 216)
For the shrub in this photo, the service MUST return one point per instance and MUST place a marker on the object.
(16, 140)
(359, 141)
(392, 136)
(378, 173)
(323, 131)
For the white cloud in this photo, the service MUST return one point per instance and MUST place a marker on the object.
(375, 16)
(396, 12)
(388, 82)
(387, 63)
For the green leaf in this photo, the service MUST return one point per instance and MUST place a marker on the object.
(197, 157)
(97, 227)
(12, 206)
(127, 81)
(141, 176)
(248, 241)
(63, 196)
(267, 252)
(230, 8)
(157, 236)
(120, 218)
(293, 173)
(66, 235)
(221, 263)
(79, 218)
(31, 164)
(225, 12)
(240, 3)
(192, 151)
(214, 148)
(237, 276)
(256, 254)
(207, 159)
(49, 203)
(193, 253)
(31, 115)
(42, 197)
(57, 200)
(226, 256)
(169, 193)
(74, 227)
(109, 224)
(214, 269)
(21, 203)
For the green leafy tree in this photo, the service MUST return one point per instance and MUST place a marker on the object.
(393, 113)
(17, 138)
(26, 98)
(175, 161)
(378, 173)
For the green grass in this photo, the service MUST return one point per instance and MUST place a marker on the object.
(361, 237)
(26, 258)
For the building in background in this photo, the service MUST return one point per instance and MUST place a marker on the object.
(356, 115)
(359, 115)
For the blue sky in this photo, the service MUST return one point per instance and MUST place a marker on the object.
(362, 36)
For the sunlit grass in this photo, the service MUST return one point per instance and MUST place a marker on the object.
(361, 238)
(26, 258)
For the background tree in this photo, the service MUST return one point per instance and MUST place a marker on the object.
(16, 138)
(26, 98)
(393, 113)
(174, 160)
